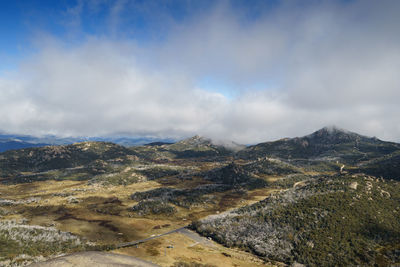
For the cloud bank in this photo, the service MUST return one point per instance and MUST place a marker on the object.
(292, 69)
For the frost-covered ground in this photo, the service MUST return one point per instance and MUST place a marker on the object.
(22, 243)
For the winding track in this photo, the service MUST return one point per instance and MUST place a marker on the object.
(95, 258)
(183, 230)
(132, 243)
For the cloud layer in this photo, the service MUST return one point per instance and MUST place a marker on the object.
(293, 69)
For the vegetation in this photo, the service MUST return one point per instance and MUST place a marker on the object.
(326, 204)
(234, 175)
(322, 223)
(192, 264)
(270, 166)
(31, 240)
(327, 144)
(195, 147)
(153, 206)
(77, 161)
(159, 172)
(229, 177)
(180, 197)
(387, 166)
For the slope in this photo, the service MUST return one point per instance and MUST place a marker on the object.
(329, 143)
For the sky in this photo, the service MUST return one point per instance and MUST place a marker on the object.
(246, 71)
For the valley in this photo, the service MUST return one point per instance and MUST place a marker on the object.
(332, 197)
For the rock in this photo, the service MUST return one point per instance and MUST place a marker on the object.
(341, 168)
(73, 200)
(385, 193)
(353, 185)
(296, 264)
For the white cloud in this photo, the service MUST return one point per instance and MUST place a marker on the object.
(321, 64)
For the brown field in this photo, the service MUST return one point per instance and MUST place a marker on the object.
(101, 214)
(167, 250)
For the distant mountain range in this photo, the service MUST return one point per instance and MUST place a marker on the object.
(11, 142)
(327, 150)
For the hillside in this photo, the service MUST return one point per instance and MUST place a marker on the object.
(342, 221)
(194, 147)
(387, 166)
(29, 163)
(328, 198)
(329, 144)
(271, 166)
(14, 141)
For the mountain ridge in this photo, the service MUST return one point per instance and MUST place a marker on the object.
(326, 149)
(15, 141)
(336, 143)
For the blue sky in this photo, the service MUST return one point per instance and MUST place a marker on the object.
(142, 22)
(242, 70)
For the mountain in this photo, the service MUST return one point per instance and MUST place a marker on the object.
(327, 149)
(85, 159)
(198, 146)
(234, 175)
(11, 142)
(158, 144)
(34, 141)
(270, 166)
(131, 141)
(339, 214)
(327, 221)
(329, 143)
(194, 147)
(92, 157)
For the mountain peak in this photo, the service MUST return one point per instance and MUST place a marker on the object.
(334, 135)
(195, 141)
(330, 130)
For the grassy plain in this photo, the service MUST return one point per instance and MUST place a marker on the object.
(101, 215)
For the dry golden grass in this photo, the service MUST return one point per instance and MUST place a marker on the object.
(96, 219)
(176, 247)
